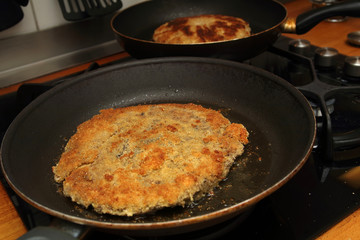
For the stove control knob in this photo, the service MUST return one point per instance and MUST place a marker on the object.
(354, 38)
(300, 46)
(326, 57)
(352, 66)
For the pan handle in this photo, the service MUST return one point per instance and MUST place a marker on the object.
(306, 21)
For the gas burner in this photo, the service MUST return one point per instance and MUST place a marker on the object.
(317, 110)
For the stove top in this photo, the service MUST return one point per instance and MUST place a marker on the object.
(321, 194)
(331, 83)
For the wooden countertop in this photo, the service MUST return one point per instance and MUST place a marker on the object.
(325, 34)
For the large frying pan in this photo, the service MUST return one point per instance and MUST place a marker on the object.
(134, 26)
(280, 121)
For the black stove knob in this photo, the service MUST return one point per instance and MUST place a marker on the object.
(352, 66)
(326, 57)
(300, 46)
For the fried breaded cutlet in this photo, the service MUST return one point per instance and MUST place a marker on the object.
(137, 159)
(201, 29)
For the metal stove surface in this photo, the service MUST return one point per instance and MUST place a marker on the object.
(303, 208)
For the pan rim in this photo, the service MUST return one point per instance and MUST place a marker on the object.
(165, 224)
(195, 44)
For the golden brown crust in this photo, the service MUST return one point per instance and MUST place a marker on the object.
(137, 159)
(201, 29)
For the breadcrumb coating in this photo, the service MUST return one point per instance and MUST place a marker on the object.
(138, 159)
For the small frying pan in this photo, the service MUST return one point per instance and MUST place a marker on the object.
(278, 117)
(134, 26)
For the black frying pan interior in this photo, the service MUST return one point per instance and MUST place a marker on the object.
(278, 117)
